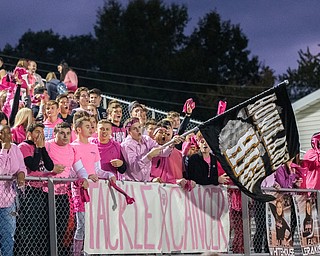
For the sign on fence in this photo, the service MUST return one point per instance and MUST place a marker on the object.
(308, 224)
(279, 225)
(164, 218)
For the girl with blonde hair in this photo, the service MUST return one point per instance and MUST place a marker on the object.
(22, 120)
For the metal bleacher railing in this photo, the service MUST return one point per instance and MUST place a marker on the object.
(152, 113)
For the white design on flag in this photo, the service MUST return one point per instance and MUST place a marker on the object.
(244, 144)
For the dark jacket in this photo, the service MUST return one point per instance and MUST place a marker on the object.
(199, 171)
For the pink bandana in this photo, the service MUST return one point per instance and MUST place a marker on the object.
(221, 107)
(130, 200)
(189, 102)
(132, 122)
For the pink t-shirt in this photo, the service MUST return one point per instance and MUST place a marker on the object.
(88, 153)
(207, 160)
(176, 163)
(64, 155)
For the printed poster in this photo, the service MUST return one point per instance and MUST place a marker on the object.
(308, 224)
(279, 231)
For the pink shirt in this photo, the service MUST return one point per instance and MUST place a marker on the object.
(64, 155)
(135, 155)
(109, 151)
(118, 133)
(49, 127)
(18, 134)
(169, 169)
(11, 163)
(176, 163)
(88, 153)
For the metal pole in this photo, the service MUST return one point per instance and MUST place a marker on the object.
(318, 203)
(245, 223)
(52, 219)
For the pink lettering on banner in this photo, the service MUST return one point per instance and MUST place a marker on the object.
(192, 221)
(164, 207)
(102, 218)
(214, 217)
(147, 216)
(188, 222)
(177, 190)
(136, 222)
(122, 224)
(92, 188)
(198, 218)
(207, 192)
(221, 209)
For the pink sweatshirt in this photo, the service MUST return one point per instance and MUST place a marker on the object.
(109, 151)
(71, 81)
(312, 161)
(11, 163)
(18, 134)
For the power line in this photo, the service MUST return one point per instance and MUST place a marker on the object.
(149, 78)
(151, 100)
(154, 87)
(162, 88)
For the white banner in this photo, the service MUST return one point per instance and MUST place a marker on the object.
(164, 218)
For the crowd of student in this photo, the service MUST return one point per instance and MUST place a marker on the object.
(45, 132)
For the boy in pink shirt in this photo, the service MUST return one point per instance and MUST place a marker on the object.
(89, 154)
(110, 150)
(115, 115)
(63, 154)
(52, 112)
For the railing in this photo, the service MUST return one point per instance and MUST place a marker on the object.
(37, 234)
(152, 113)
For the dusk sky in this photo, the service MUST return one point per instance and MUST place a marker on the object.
(276, 29)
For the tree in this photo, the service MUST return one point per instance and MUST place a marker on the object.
(217, 53)
(140, 39)
(145, 39)
(306, 78)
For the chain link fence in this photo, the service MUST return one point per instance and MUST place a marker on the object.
(152, 113)
(43, 223)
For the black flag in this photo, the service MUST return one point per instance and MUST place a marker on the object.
(254, 138)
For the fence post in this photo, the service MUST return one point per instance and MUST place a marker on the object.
(104, 102)
(52, 219)
(245, 223)
(318, 203)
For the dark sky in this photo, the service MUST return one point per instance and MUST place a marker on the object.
(276, 29)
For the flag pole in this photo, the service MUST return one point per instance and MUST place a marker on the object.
(195, 129)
